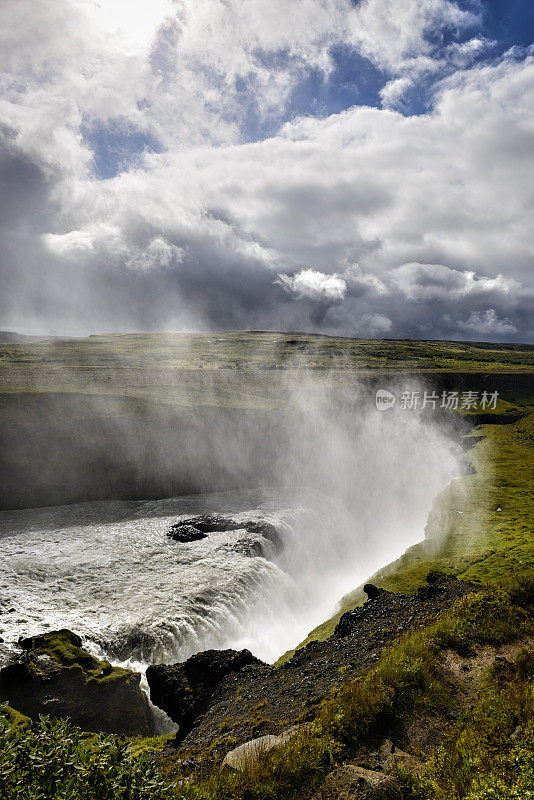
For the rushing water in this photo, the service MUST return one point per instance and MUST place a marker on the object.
(108, 571)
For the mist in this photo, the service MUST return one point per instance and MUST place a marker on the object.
(347, 486)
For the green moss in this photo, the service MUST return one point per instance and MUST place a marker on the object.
(64, 648)
(149, 744)
(13, 717)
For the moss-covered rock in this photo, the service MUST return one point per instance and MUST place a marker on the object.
(52, 674)
(14, 718)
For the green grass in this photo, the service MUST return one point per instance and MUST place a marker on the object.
(54, 760)
(406, 678)
(489, 753)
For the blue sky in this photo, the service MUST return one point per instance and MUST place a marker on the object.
(354, 79)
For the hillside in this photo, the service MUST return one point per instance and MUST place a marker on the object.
(481, 526)
(418, 688)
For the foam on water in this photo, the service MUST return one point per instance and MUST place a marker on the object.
(108, 571)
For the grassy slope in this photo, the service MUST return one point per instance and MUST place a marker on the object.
(491, 745)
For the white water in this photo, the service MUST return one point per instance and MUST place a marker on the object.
(107, 570)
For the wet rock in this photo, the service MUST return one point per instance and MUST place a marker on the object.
(195, 528)
(185, 691)
(186, 533)
(52, 674)
(247, 547)
(356, 783)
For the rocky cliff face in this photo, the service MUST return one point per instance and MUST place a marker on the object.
(186, 690)
(231, 692)
(53, 675)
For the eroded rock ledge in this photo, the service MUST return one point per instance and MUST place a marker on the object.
(52, 674)
(218, 693)
(194, 529)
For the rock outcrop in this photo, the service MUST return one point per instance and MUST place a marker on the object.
(185, 691)
(52, 674)
(387, 608)
(209, 689)
(247, 753)
(350, 782)
(193, 529)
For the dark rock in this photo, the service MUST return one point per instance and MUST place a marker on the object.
(247, 547)
(186, 533)
(195, 528)
(52, 674)
(185, 691)
(372, 591)
(279, 697)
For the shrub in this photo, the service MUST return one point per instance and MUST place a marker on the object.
(53, 760)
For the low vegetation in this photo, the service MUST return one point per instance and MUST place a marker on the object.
(54, 760)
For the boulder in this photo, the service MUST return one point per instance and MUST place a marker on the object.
(185, 691)
(51, 674)
(195, 528)
(392, 758)
(186, 533)
(372, 591)
(350, 782)
(247, 753)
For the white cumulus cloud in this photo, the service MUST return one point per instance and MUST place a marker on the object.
(314, 285)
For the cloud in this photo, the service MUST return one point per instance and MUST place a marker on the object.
(393, 91)
(214, 187)
(311, 284)
(158, 254)
(69, 244)
(401, 35)
(486, 323)
(425, 282)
